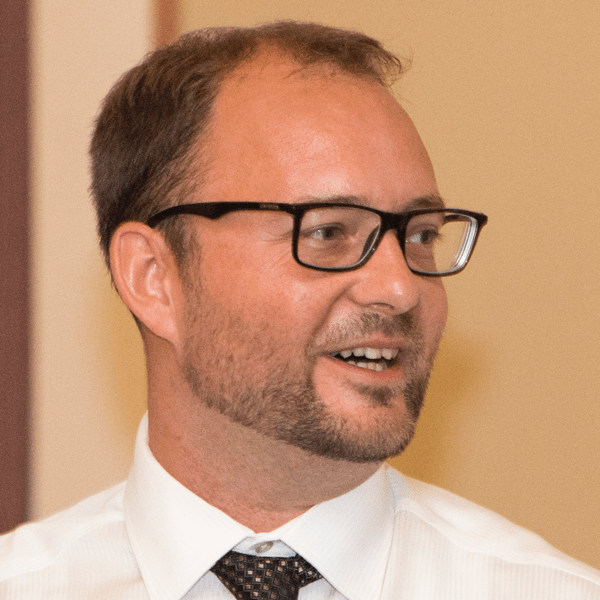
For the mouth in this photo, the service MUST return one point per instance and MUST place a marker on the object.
(373, 359)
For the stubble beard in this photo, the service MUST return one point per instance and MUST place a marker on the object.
(284, 405)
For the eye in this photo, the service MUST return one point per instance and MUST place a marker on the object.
(425, 236)
(329, 232)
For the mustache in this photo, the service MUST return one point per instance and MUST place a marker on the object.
(346, 332)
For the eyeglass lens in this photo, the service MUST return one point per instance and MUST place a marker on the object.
(339, 237)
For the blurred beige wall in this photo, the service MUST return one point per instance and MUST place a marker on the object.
(506, 96)
(88, 378)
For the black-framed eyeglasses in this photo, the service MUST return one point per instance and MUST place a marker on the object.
(342, 237)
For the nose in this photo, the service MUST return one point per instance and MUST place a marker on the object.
(385, 283)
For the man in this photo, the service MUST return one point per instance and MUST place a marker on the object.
(271, 219)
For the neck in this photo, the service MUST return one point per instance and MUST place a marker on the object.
(260, 482)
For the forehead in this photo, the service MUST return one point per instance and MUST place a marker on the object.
(280, 132)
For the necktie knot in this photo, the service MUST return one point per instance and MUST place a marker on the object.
(264, 578)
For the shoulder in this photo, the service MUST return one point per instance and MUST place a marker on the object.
(459, 535)
(38, 556)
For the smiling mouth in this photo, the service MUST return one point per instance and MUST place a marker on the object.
(374, 359)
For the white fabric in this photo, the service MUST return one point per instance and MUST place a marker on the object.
(390, 538)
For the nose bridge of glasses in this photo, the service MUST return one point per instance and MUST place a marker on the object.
(375, 230)
(395, 223)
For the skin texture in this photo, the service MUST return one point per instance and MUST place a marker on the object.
(247, 406)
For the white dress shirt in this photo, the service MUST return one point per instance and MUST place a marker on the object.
(392, 538)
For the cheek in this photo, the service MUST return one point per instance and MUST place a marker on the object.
(291, 311)
(267, 283)
(273, 298)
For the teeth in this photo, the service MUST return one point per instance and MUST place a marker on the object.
(372, 353)
(371, 366)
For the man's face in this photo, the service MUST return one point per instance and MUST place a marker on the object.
(266, 340)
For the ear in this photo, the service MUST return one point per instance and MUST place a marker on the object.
(147, 279)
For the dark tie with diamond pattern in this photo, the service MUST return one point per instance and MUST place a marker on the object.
(250, 577)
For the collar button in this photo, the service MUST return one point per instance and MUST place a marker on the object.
(264, 547)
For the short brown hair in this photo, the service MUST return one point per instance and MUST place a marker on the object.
(156, 112)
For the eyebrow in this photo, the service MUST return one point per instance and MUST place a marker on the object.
(427, 201)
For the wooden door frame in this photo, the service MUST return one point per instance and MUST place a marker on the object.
(14, 262)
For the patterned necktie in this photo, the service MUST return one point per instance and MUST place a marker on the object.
(261, 578)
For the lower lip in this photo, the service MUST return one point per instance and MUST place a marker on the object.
(392, 374)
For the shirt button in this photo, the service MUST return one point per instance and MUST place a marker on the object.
(264, 547)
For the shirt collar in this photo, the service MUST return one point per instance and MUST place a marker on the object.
(348, 539)
(177, 537)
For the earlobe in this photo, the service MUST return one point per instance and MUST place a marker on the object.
(146, 277)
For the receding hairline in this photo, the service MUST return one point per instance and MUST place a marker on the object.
(309, 44)
(385, 73)
(266, 52)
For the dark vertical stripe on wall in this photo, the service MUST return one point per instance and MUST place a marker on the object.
(14, 262)
(166, 26)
